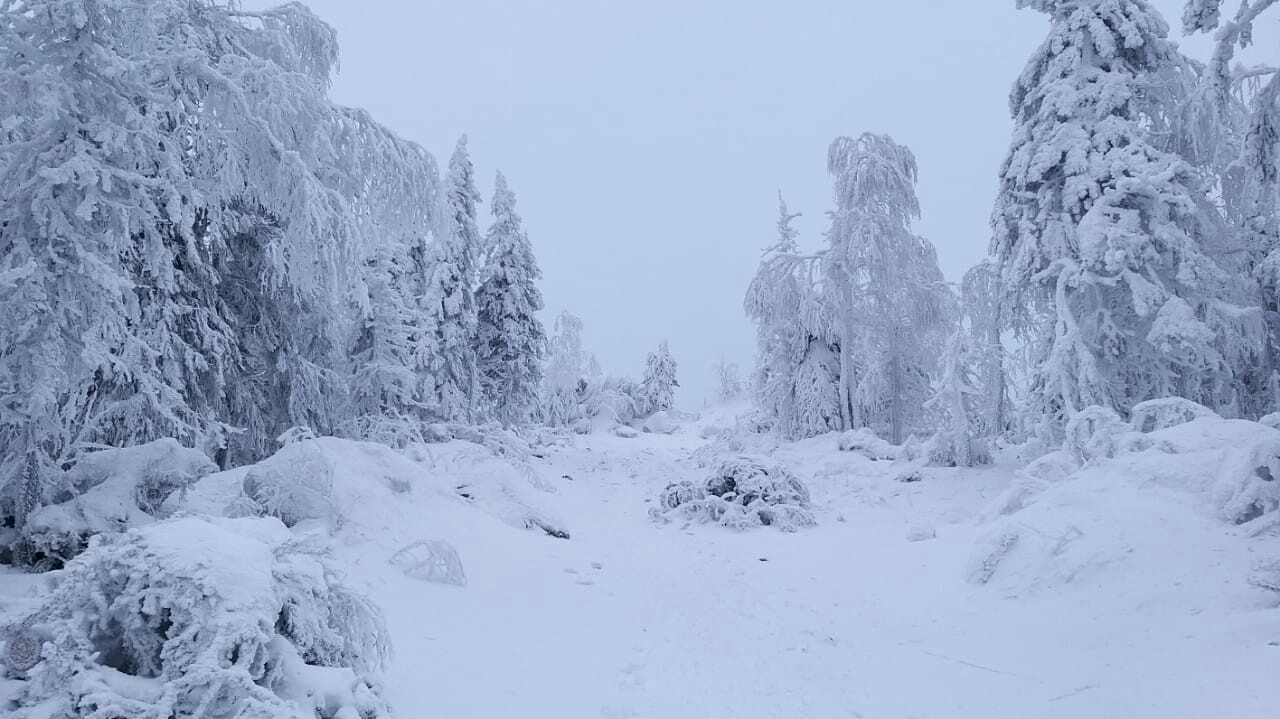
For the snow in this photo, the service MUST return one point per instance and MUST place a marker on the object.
(1126, 592)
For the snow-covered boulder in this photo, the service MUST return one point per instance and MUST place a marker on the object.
(201, 617)
(865, 442)
(626, 432)
(109, 490)
(741, 493)
(661, 423)
(1156, 414)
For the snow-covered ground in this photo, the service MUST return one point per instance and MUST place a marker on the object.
(1129, 600)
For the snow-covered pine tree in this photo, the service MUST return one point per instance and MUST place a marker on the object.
(773, 301)
(448, 352)
(955, 403)
(384, 386)
(1097, 231)
(892, 307)
(512, 342)
(659, 384)
(817, 398)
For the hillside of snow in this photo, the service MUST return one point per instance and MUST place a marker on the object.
(1116, 585)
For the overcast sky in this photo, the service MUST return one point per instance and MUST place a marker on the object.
(646, 141)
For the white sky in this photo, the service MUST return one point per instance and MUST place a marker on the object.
(646, 141)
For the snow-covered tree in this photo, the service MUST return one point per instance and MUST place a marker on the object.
(384, 387)
(659, 384)
(447, 352)
(892, 307)
(512, 341)
(774, 301)
(1098, 232)
(184, 220)
(817, 398)
(955, 402)
(1246, 132)
(569, 369)
(980, 314)
(728, 380)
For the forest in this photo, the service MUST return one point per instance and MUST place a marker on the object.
(250, 336)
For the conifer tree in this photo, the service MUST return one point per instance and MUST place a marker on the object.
(659, 384)
(1098, 232)
(511, 339)
(448, 351)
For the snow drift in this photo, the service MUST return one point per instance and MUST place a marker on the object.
(1116, 499)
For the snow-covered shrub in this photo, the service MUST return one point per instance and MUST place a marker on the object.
(741, 493)
(431, 560)
(293, 485)
(203, 618)
(865, 442)
(626, 432)
(1094, 433)
(1166, 412)
(110, 490)
(1272, 420)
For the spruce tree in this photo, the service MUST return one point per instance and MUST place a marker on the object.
(1097, 232)
(659, 385)
(511, 339)
(448, 352)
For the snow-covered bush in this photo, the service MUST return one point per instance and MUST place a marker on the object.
(1094, 433)
(431, 560)
(865, 442)
(741, 493)
(1166, 412)
(110, 490)
(293, 485)
(203, 618)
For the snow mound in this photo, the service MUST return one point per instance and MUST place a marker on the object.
(110, 490)
(1156, 414)
(1077, 513)
(513, 491)
(865, 442)
(203, 617)
(742, 494)
(661, 423)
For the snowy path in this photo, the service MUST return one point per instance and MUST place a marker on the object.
(846, 620)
